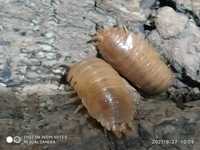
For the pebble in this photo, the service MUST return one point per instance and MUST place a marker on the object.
(49, 35)
(46, 47)
(169, 23)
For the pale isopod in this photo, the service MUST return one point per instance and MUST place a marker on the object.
(134, 58)
(104, 94)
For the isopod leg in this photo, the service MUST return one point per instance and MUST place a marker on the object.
(125, 28)
(93, 40)
(78, 109)
(71, 93)
(73, 100)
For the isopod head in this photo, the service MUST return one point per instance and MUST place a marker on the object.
(110, 50)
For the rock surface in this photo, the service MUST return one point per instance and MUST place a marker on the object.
(180, 45)
(183, 50)
(161, 125)
(164, 24)
(38, 37)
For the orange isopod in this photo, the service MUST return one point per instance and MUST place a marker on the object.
(104, 94)
(134, 58)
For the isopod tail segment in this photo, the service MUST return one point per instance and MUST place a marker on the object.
(129, 130)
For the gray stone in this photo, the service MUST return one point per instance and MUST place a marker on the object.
(128, 10)
(190, 7)
(169, 23)
(146, 6)
(196, 7)
(49, 35)
(187, 4)
(183, 52)
(46, 47)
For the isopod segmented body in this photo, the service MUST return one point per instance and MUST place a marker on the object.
(134, 58)
(104, 94)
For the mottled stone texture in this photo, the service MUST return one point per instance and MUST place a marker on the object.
(38, 37)
(47, 113)
(177, 38)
